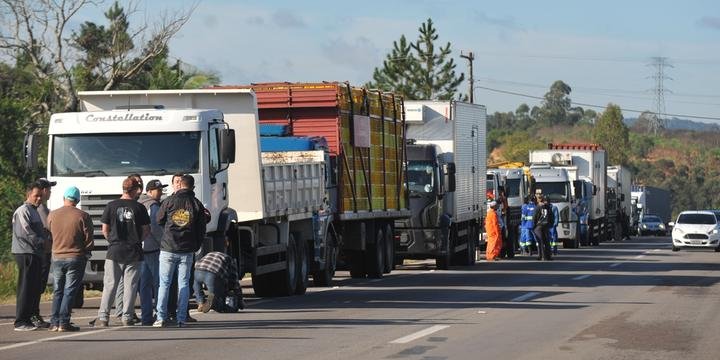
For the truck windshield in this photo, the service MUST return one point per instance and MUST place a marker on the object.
(512, 187)
(420, 176)
(555, 191)
(126, 153)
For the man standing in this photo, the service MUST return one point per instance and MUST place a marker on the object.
(526, 226)
(217, 271)
(125, 222)
(119, 292)
(47, 247)
(72, 231)
(149, 278)
(542, 221)
(553, 229)
(183, 218)
(28, 239)
(493, 230)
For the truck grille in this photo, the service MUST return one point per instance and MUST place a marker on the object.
(95, 205)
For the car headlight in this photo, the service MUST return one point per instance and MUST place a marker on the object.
(662, 226)
(713, 231)
(679, 230)
(644, 226)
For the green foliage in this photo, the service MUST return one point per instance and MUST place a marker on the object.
(418, 70)
(556, 106)
(518, 146)
(611, 132)
(8, 281)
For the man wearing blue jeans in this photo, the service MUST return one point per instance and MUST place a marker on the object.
(72, 231)
(184, 220)
(217, 271)
(149, 270)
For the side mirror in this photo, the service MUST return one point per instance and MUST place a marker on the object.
(449, 173)
(30, 148)
(227, 146)
(671, 224)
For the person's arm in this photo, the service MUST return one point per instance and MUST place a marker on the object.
(88, 231)
(37, 241)
(145, 231)
(106, 231)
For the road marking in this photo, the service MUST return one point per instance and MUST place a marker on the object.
(582, 277)
(615, 264)
(525, 297)
(73, 318)
(13, 346)
(419, 334)
(639, 256)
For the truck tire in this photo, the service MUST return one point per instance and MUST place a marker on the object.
(302, 268)
(471, 251)
(389, 249)
(375, 256)
(323, 277)
(356, 259)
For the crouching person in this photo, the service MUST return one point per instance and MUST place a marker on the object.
(218, 272)
(72, 231)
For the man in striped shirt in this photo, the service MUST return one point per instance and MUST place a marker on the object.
(218, 272)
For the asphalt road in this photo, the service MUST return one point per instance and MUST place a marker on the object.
(629, 300)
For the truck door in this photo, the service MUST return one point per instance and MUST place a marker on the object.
(217, 199)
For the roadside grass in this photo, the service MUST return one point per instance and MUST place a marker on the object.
(8, 282)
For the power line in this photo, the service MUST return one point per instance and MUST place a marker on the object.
(597, 106)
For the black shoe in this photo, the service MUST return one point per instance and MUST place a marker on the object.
(38, 321)
(190, 319)
(68, 328)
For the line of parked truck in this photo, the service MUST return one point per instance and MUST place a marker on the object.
(303, 178)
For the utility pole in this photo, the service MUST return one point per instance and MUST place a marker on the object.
(659, 63)
(470, 57)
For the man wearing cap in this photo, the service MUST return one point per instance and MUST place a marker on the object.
(120, 291)
(43, 210)
(125, 223)
(28, 239)
(542, 221)
(149, 278)
(72, 231)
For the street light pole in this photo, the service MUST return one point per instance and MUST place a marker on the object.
(470, 58)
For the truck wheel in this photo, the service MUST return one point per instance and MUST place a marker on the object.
(443, 262)
(324, 276)
(356, 259)
(375, 256)
(389, 250)
(471, 251)
(302, 268)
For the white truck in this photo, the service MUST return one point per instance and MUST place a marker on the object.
(445, 170)
(556, 184)
(619, 206)
(587, 163)
(270, 207)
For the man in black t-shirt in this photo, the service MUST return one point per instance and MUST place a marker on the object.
(125, 223)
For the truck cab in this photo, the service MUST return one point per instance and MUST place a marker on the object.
(556, 185)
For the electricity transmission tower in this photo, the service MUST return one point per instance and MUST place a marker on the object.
(659, 64)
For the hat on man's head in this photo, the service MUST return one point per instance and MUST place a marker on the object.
(45, 183)
(154, 184)
(130, 184)
(72, 193)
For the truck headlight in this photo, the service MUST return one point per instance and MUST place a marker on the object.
(644, 226)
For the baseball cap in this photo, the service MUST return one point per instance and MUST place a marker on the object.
(72, 193)
(154, 184)
(130, 184)
(45, 183)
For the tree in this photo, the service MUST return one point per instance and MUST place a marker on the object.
(611, 132)
(37, 30)
(556, 105)
(418, 70)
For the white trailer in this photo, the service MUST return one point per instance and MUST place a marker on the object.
(267, 206)
(446, 171)
(619, 183)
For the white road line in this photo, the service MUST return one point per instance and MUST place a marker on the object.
(419, 334)
(582, 277)
(73, 318)
(615, 264)
(13, 346)
(639, 256)
(525, 297)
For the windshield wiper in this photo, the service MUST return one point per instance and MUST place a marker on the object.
(89, 173)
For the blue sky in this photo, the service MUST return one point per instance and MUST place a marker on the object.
(601, 48)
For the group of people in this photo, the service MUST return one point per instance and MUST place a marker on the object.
(537, 229)
(151, 243)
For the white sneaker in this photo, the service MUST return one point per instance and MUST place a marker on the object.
(159, 323)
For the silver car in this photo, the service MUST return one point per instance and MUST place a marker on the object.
(696, 229)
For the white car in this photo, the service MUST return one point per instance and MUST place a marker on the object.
(696, 229)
